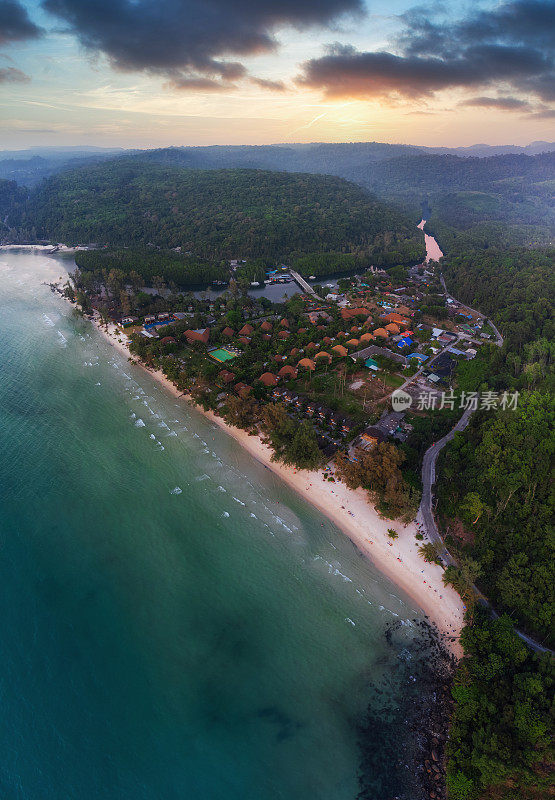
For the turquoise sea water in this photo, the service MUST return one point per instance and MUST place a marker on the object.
(176, 622)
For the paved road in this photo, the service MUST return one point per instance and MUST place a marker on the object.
(426, 514)
(428, 480)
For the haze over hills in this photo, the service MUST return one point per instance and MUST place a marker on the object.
(489, 201)
(31, 165)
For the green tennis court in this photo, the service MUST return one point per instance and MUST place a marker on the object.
(222, 355)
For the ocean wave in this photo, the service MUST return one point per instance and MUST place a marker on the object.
(139, 423)
(177, 490)
(225, 514)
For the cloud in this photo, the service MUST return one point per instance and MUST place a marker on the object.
(511, 45)
(272, 86)
(15, 25)
(12, 75)
(505, 103)
(188, 40)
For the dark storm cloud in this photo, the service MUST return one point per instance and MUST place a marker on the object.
(512, 45)
(12, 75)
(15, 25)
(186, 39)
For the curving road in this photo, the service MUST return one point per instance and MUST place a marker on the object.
(426, 514)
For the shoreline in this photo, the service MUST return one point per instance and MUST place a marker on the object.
(353, 514)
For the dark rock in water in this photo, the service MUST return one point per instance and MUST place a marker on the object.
(411, 729)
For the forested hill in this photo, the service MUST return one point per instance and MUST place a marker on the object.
(220, 213)
(387, 168)
(488, 201)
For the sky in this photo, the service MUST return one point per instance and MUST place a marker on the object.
(154, 73)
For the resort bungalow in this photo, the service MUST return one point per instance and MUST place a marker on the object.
(150, 319)
(288, 372)
(307, 363)
(397, 319)
(284, 335)
(243, 389)
(284, 323)
(199, 335)
(246, 330)
(225, 376)
(352, 343)
(392, 328)
(405, 342)
(350, 313)
(164, 316)
(322, 355)
(127, 321)
(266, 326)
(366, 338)
(228, 332)
(268, 379)
(339, 350)
(381, 332)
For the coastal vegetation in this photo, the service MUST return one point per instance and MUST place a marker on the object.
(170, 227)
(496, 506)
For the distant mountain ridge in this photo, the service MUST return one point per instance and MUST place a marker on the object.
(30, 166)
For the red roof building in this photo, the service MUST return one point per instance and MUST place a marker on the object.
(199, 335)
(268, 379)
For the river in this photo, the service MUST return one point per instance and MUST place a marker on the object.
(433, 250)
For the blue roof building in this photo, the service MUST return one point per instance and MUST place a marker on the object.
(405, 342)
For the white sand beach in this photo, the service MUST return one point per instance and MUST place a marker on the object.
(351, 511)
